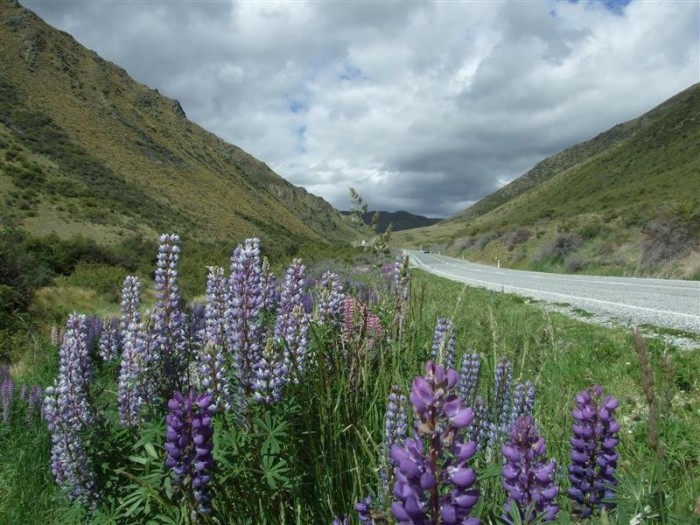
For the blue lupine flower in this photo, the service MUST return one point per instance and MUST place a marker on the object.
(593, 456)
(69, 414)
(528, 481)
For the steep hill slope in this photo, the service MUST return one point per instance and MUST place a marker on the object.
(86, 149)
(626, 201)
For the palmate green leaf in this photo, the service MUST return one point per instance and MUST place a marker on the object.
(274, 472)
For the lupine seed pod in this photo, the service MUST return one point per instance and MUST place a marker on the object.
(593, 456)
(528, 481)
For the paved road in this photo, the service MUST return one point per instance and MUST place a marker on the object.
(657, 302)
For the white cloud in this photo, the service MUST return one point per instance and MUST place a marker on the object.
(424, 106)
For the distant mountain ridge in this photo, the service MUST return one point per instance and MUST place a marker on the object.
(84, 149)
(400, 220)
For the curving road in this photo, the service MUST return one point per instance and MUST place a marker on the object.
(658, 302)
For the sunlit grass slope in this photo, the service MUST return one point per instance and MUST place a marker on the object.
(626, 201)
(84, 149)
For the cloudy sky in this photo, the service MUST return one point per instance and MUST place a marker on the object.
(425, 106)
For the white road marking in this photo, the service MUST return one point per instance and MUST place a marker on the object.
(531, 290)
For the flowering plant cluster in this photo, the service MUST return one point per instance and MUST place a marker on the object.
(229, 363)
(433, 482)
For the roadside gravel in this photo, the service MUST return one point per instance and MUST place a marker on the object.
(615, 301)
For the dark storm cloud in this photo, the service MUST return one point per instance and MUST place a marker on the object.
(422, 106)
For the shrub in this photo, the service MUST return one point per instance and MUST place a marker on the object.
(669, 238)
(484, 239)
(562, 246)
(512, 239)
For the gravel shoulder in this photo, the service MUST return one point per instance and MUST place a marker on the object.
(663, 306)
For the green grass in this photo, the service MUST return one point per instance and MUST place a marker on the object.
(314, 455)
(629, 195)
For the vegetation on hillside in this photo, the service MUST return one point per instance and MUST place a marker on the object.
(317, 447)
(84, 149)
(625, 202)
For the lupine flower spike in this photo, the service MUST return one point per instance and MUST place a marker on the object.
(593, 456)
(528, 481)
(69, 414)
(189, 446)
(433, 482)
(443, 347)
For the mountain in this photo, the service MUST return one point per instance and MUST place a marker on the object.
(626, 201)
(85, 149)
(399, 220)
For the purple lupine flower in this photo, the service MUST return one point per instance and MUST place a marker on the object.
(270, 291)
(109, 340)
(330, 299)
(212, 368)
(271, 374)
(435, 485)
(528, 481)
(94, 331)
(479, 432)
(469, 377)
(363, 509)
(36, 394)
(133, 386)
(350, 307)
(189, 444)
(341, 520)
(69, 414)
(168, 337)
(243, 319)
(402, 278)
(395, 430)
(7, 392)
(523, 400)
(292, 323)
(444, 343)
(500, 403)
(593, 456)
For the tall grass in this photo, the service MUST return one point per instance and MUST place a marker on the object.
(315, 454)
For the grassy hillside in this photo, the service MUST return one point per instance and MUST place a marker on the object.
(626, 201)
(84, 149)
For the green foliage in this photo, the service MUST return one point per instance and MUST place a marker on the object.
(315, 454)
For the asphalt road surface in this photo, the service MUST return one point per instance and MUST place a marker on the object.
(658, 302)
